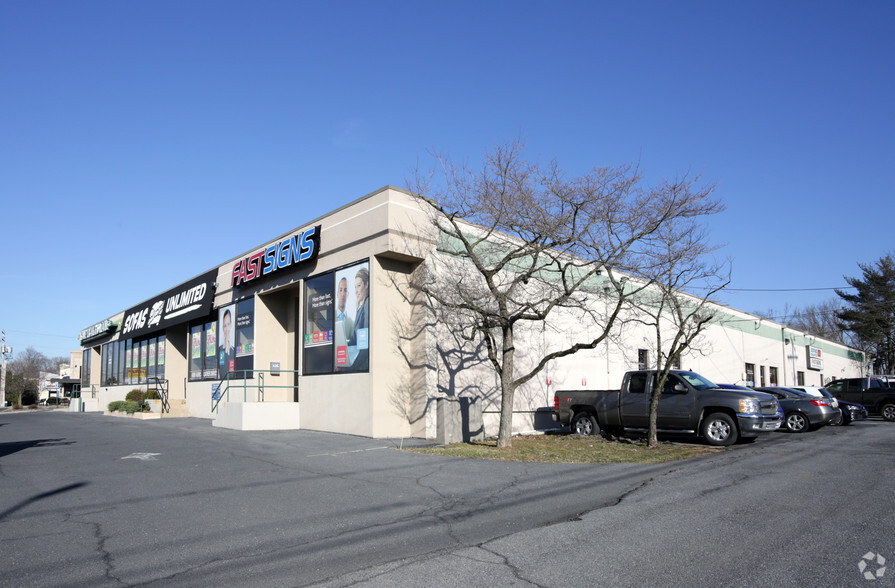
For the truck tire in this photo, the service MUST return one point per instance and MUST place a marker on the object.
(887, 411)
(796, 422)
(584, 423)
(719, 429)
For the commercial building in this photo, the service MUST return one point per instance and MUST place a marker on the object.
(317, 329)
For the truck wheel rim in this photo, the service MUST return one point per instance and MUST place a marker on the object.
(889, 413)
(719, 430)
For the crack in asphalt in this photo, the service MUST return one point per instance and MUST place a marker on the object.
(447, 512)
(515, 570)
(101, 539)
(320, 542)
(485, 546)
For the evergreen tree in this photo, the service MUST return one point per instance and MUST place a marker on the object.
(870, 312)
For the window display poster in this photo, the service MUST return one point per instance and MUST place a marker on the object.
(227, 349)
(318, 325)
(128, 366)
(352, 321)
(144, 360)
(210, 367)
(319, 331)
(196, 346)
(245, 336)
(245, 333)
(211, 341)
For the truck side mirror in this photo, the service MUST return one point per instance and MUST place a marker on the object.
(680, 388)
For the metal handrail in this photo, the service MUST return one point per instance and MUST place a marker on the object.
(231, 381)
(161, 387)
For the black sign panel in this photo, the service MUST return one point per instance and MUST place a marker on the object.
(190, 300)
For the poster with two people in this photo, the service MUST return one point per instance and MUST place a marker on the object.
(352, 318)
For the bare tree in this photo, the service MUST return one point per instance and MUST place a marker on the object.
(24, 372)
(517, 242)
(819, 319)
(680, 252)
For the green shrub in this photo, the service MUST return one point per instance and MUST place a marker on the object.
(131, 407)
(127, 406)
(151, 395)
(135, 395)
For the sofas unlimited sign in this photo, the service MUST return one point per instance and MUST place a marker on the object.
(190, 300)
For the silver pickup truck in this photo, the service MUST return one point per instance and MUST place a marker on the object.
(689, 404)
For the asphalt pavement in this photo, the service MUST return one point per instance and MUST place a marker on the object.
(87, 499)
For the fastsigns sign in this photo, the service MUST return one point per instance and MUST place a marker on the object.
(300, 248)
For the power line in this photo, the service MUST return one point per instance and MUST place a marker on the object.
(785, 289)
(43, 334)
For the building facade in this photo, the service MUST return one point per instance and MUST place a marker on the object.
(318, 329)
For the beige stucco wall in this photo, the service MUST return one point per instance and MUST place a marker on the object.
(377, 228)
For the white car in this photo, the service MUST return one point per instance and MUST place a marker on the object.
(818, 392)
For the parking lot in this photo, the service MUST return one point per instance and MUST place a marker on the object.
(94, 500)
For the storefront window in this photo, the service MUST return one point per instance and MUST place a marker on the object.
(354, 354)
(236, 340)
(211, 351)
(150, 369)
(203, 354)
(85, 367)
(160, 358)
(144, 360)
(105, 376)
(129, 362)
(122, 370)
(113, 367)
(196, 352)
(133, 362)
(318, 334)
(337, 321)
(226, 347)
(245, 337)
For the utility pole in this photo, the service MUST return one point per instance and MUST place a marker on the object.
(3, 351)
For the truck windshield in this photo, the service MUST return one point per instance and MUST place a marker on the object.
(697, 381)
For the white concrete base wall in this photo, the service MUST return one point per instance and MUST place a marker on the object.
(84, 405)
(258, 416)
(104, 396)
(198, 400)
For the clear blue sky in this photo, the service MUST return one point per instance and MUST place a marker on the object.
(143, 143)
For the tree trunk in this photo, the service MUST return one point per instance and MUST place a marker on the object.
(507, 391)
(652, 437)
